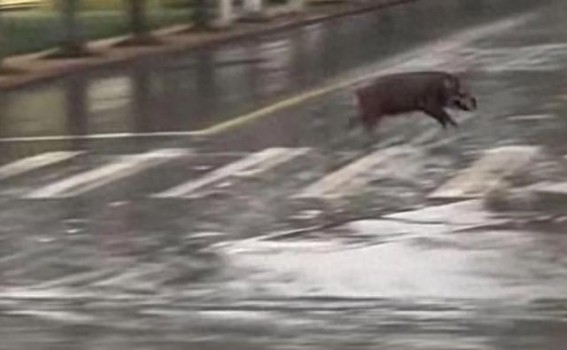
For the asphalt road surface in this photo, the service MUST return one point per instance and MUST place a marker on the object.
(215, 199)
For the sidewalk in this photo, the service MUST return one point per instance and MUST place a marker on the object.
(35, 67)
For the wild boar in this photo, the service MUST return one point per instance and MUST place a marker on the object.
(429, 92)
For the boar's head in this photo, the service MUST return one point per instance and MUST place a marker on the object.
(457, 96)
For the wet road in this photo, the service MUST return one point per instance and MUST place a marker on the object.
(151, 226)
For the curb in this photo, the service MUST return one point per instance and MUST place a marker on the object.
(64, 67)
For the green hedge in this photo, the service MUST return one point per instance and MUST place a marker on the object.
(89, 5)
(177, 3)
(28, 31)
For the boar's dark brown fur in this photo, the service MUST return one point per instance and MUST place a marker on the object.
(428, 92)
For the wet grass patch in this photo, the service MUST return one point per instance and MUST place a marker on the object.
(36, 30)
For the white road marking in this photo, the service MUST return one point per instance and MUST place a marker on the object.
(487, 172)
(87, 181)
(250, 166)
(350, 178)
(553, 188)
(28, 164)
(531, 117)
(463, 214)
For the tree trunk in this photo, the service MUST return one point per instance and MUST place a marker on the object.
(2, 43)
(138, 20)
(73, 44)
(202, 15)
(139, 27)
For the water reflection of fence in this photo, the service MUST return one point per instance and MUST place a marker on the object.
(184, 93)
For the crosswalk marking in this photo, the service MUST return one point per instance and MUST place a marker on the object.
(466, 213)
(495, 165)
(28, 164)
(120, 168)
(559, 188)
(250, 166)
(549, 197)
(349, 178)
(270, 163)
(532, 117)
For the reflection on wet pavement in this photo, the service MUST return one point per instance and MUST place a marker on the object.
(192, 91)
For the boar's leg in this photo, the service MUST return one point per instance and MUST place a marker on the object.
(452, 122)
(440, 115)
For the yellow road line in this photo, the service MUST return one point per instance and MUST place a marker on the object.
(263, 112)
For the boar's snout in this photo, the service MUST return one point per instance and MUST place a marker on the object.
(465, 102)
